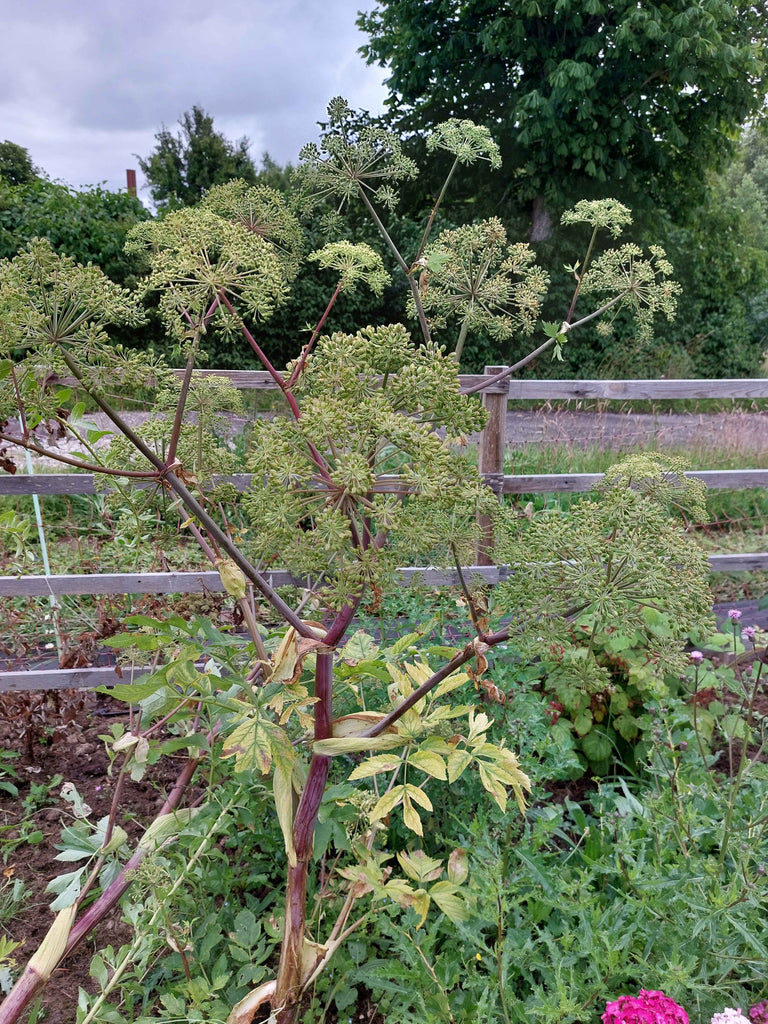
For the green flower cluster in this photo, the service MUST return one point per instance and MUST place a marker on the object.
(367, 474)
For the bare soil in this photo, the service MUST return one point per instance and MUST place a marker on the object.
(65, 748)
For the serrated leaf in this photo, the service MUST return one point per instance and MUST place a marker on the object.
(457, 763)
(141, 641)
(429, 762)
(444, 895)
(132, 693)
(735, 728)
(411, 817)
(492, 785)
(359, 647)
(419, 796)
(420, 903)
(250, 744)
(597, 746)
(386, 803)
(68, 887)
(98, 971)
(374, 765)
(453, 682)
(354, 744)
(403, 644)
(420, 867)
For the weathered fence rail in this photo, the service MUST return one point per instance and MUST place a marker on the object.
(492, 445)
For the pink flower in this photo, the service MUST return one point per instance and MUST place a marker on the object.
(645, 1008)
(734, 614)
(729, 1016)
(759, 1012)
(697, 657)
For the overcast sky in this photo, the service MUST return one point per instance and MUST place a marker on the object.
(86, 84)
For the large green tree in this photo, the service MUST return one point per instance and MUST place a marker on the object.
(16, 165)
(586, 97)
(185, 165)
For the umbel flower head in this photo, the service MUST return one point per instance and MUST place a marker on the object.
(646, 1008)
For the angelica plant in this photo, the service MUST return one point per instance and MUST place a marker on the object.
(362, 473)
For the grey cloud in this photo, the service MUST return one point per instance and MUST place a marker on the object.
(85, 85)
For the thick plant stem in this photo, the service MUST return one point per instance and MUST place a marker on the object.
(29, 984)
(290, 974)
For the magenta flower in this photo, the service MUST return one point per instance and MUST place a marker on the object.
(645, 1008)
(759, 1012)
(697, 657)
(748, 634)
(734, 614)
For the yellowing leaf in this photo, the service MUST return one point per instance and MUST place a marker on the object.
(359, 647)
(398, 890)
(411, 817)
(251, 747)
(387, 803)
(420, 867)
(420, 904)
(353, 744)
(493, 786)
(453, 681)
(357, 723)
(444, 895)
(457, 762)
(282, 788)
(419, 796)
(376, 764)
(166, 827)
(478, 724)
(458, 866)
(429, 762)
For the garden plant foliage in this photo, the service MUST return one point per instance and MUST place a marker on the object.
(331, 746)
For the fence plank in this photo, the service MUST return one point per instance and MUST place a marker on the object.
(63, 679)
(122, 583)
(739, 563)
(520, 483)
(625, 390)
(196, 582)
(554, 483)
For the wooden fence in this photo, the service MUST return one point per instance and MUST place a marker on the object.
(492, 445)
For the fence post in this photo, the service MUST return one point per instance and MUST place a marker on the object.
(490, 461)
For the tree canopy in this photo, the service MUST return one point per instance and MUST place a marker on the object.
(185, 165)
(582, 94)
(16, 165)
(91, 226)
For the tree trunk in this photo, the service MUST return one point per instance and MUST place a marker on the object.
(541, 221)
